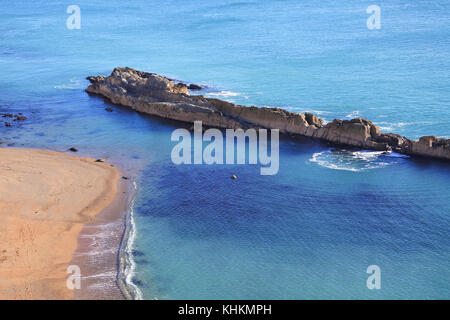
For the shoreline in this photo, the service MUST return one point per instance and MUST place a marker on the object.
(125, 262)
(45, 230)
(104, 238)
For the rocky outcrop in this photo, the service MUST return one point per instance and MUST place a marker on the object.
(430, 146)
(14, 117)
(313, 120)
(157, 95)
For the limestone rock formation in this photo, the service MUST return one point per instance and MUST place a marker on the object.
(313, 120)
(157, 95)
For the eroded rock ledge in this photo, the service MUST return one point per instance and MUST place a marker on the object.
(157, 95)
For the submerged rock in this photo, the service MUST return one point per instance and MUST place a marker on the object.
(109, 109)
(17, 117)
(157, 95)
(7, 124)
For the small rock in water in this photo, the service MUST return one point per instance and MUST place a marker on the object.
(100, 160)
(21, 118)
(7, 124)
(234, 176)
(109, 109)
(72, 149)
(125, 178)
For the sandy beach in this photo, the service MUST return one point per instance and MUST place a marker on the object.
(46, 199)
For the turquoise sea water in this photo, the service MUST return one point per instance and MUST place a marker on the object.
(308, 232)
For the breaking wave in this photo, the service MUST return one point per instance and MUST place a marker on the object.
(355, 161)
(390, 126)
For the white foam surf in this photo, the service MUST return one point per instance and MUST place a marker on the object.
(127, 265)
(354, 161)
(72, 85)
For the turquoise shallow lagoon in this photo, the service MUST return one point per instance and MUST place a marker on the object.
(308, 232)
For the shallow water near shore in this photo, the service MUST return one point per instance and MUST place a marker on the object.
(308, 232)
